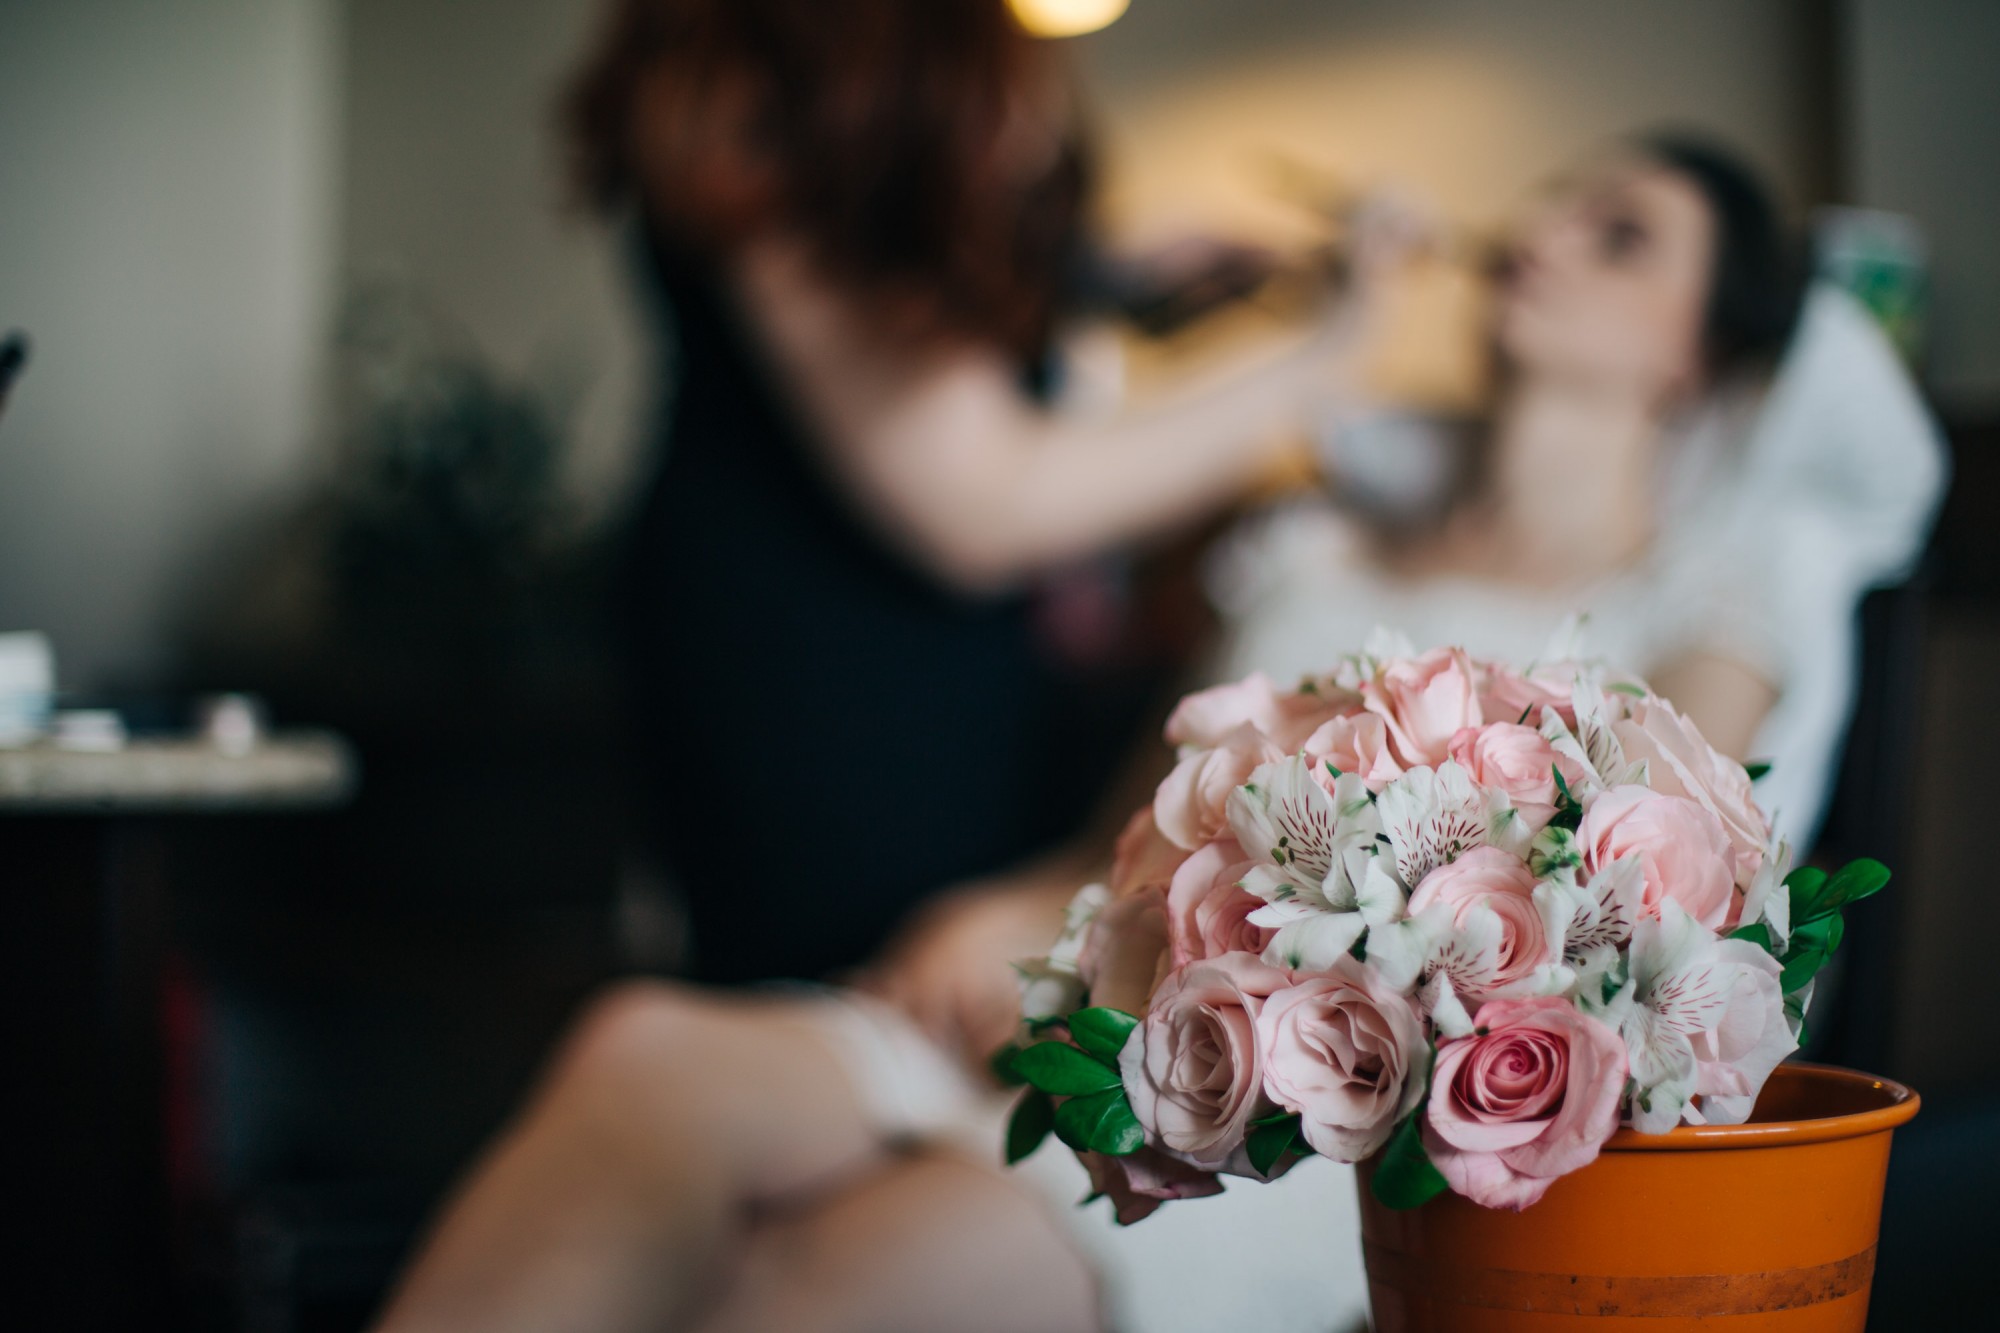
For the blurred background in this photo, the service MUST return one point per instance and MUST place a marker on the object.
(332, 401)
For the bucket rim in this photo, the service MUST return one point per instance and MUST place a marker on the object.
(1900, 1104)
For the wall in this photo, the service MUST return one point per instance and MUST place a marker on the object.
(455, 197)
(165, 236)
(1469, 102)
(1924, 122)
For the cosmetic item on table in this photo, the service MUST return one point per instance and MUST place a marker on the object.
(232, 724)
(27, 687)
(88, 731)
(1883, 260)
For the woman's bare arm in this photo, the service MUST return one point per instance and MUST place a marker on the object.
(956, 464)
(1727, 700)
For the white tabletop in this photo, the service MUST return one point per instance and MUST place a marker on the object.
(288, 770)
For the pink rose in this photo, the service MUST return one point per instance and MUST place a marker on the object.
(1358, 744)
(1505, 695)
(1125, 955)
(1679, 762)
(1139, 1183)
(1192, 1070)
(1143, 857)
(1207, 913)
(1425, 701)
(1687, 856)
(1518, 761)
(1501, 882)
(1531, 1096)
(1191, 805)
(1339, 1048)
(1206, 717)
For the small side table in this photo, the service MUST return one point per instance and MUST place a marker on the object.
(82, 951)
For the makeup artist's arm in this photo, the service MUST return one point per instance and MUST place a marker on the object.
(983, 486)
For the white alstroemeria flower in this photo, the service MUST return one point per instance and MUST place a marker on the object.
(1384, 644)
(1311, 936)
(1316, 854)
(1454, 958)
(1592, 747)
(1602, 912)
(1767, 900)
(1432, 815)
(1567, 643)
(1050, 985)
(1698, 1015)
(1555, 853)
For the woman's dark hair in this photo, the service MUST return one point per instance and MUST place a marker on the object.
(884, 134)
(1759, 279)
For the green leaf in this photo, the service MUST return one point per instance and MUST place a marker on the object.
(1101, 1031)
(1757, 933)
(1799, 969)
(1102, 1122)
(1854, 881)
(1056, 1067)
(1821, 933)
(1034, 1116)
(1002, 1065)
(1404, 1177)
(1808, 950)
(1569, 810)
(1627, 687)
(1269, 1143)
(1756, 768)
(1805, 885)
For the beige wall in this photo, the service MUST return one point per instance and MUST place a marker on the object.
(166, 237)
(1469, 101)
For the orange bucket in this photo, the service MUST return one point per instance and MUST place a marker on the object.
(1764, 1226)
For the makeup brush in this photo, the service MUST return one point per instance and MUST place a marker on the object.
(1324, 193)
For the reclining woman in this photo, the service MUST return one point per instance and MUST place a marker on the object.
(702, 1159)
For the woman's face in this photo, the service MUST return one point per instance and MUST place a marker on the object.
(1607, 282)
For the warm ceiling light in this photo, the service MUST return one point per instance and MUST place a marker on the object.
(1066, 18)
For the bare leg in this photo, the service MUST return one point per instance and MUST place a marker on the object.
(619, 1198)
(932, 1242)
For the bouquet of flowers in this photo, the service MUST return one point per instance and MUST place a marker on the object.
(1458, 917)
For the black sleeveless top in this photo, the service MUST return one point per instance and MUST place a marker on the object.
(831, 735)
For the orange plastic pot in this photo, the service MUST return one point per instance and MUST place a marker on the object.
(1769, 1225)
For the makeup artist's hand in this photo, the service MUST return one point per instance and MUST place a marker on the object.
(1385, 230)
(951, 969)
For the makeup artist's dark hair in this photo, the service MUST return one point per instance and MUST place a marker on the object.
(876, 131)
(1759, 279)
